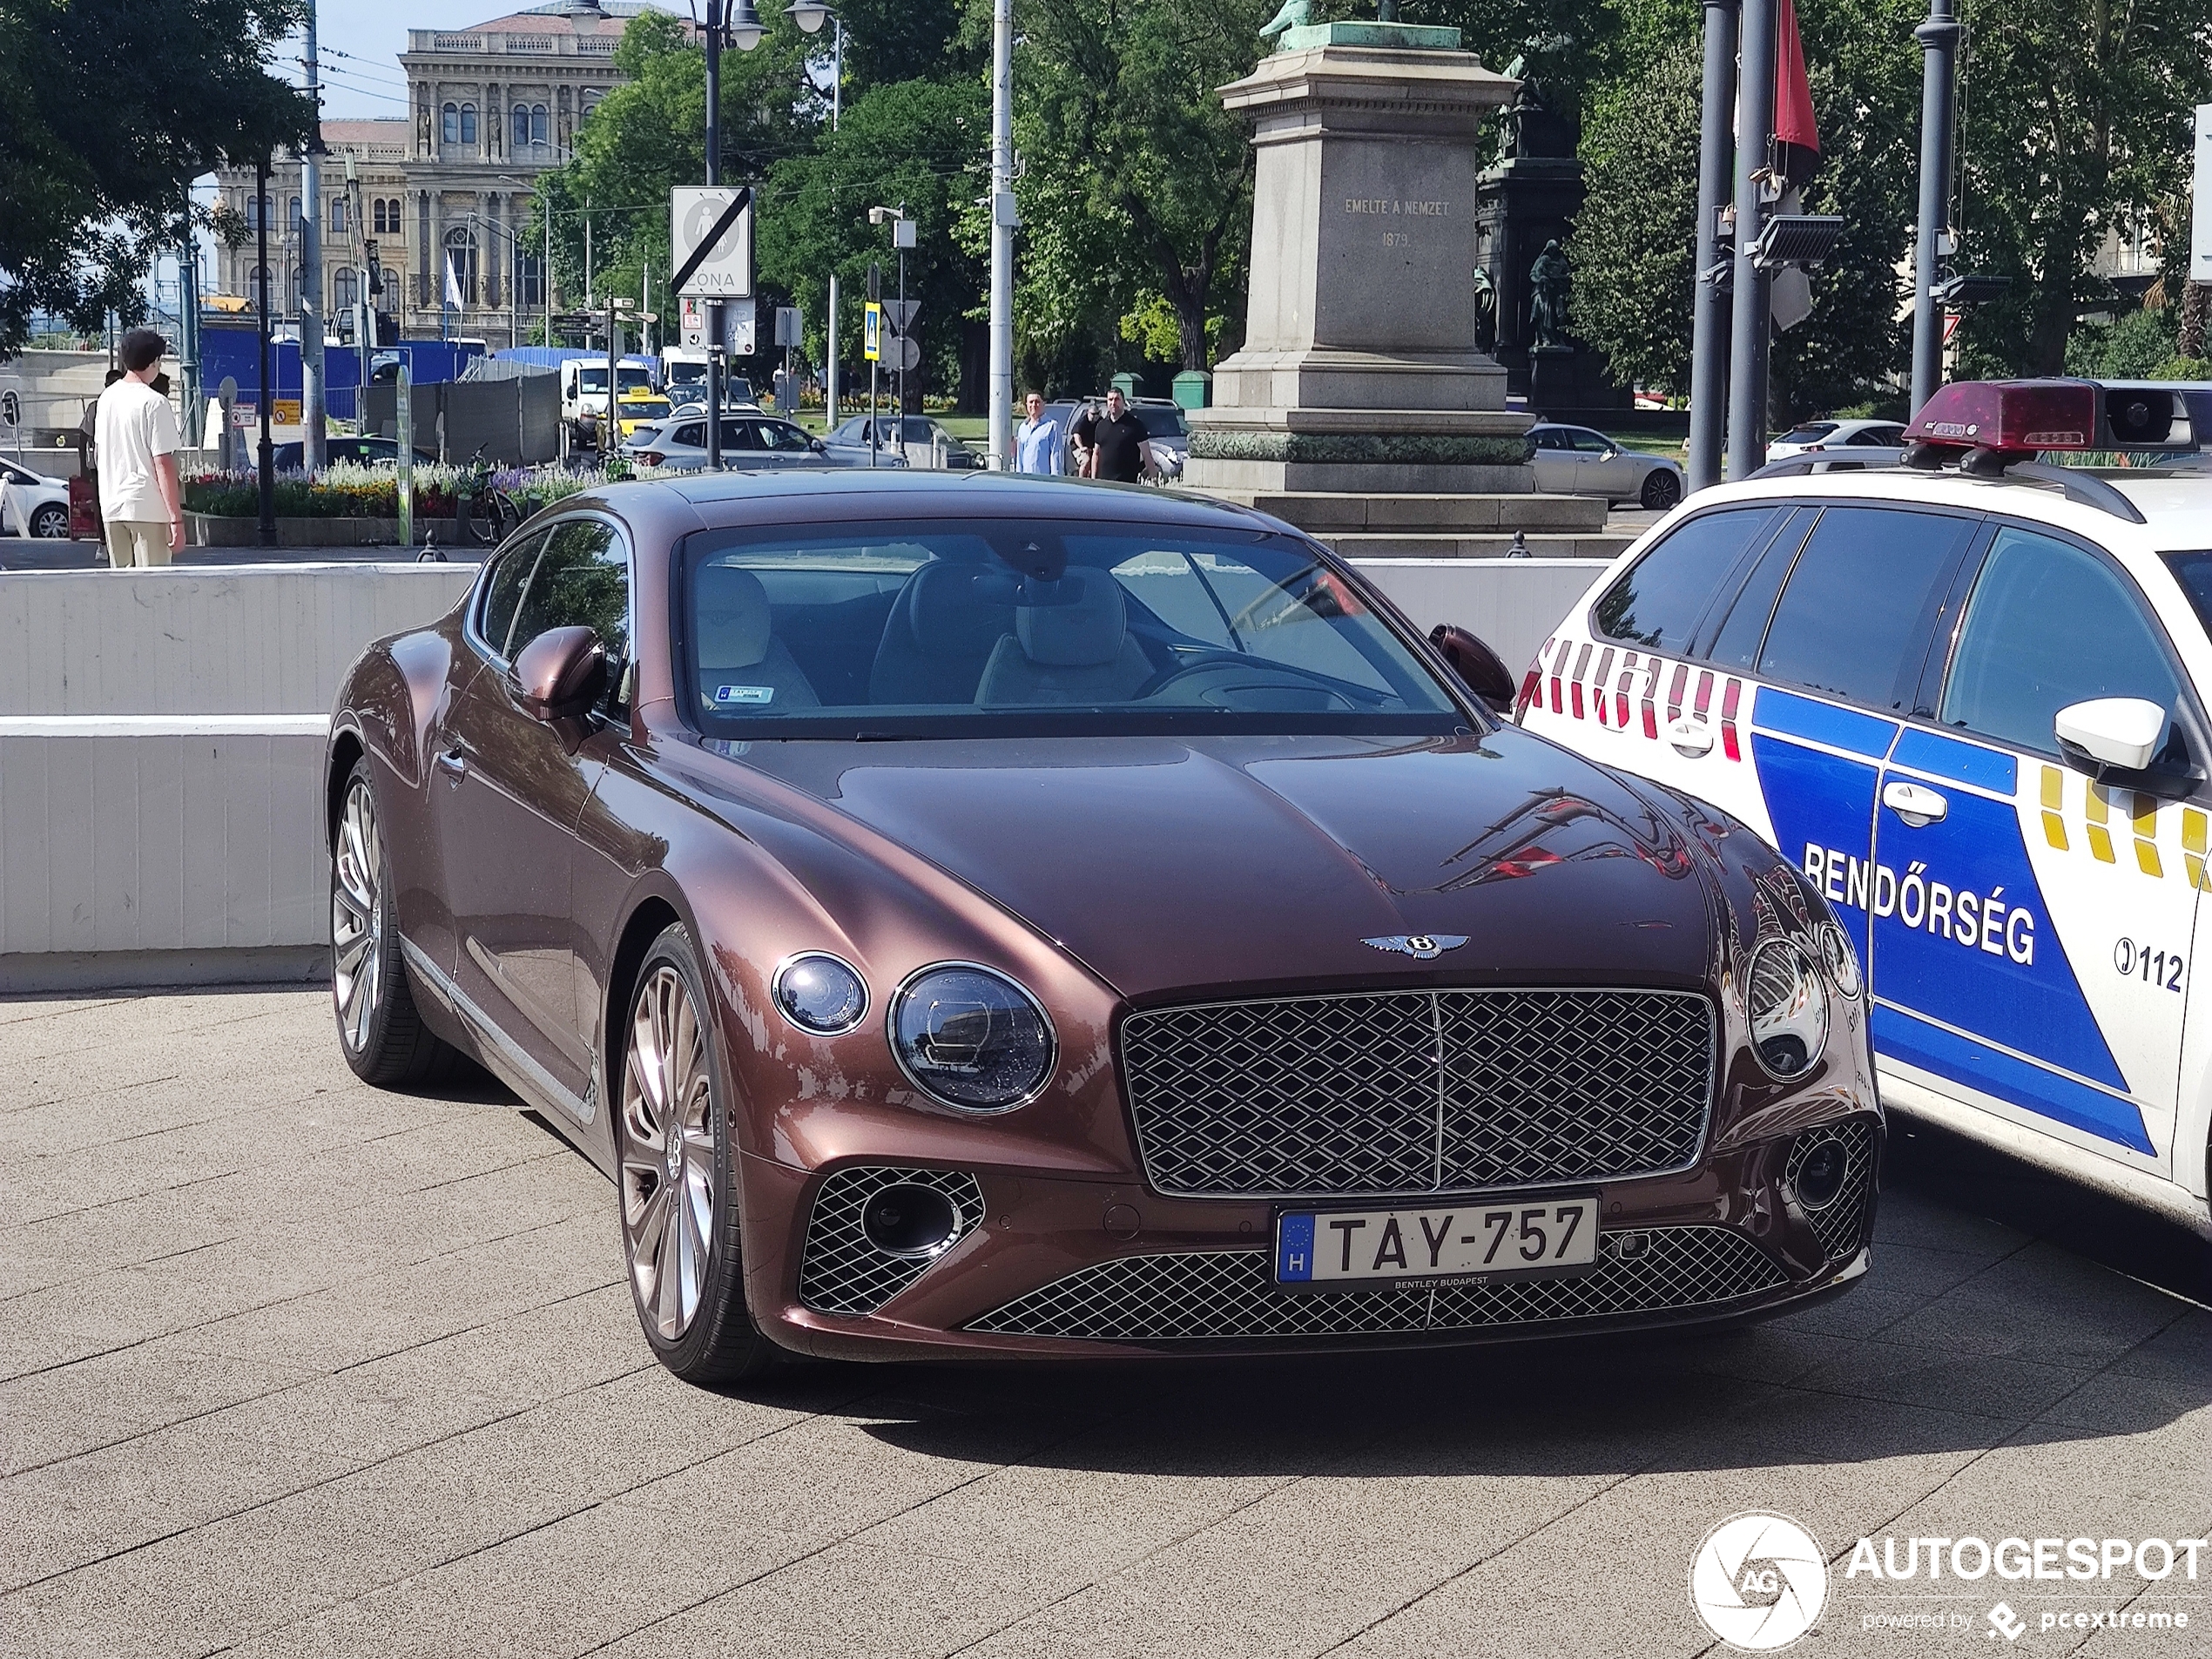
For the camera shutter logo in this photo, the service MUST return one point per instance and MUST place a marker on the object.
(1758, 1581)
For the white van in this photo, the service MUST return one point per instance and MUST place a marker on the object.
(584, 383)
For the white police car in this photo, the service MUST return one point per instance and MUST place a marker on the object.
(1969, 697)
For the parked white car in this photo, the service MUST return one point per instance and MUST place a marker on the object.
(31, 503)
(1820, 436)
(1574, 461)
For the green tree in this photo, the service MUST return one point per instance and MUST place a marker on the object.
(919, 145)
(1122, 123)
(1633, 244)
(2076, 121)
(109, 109)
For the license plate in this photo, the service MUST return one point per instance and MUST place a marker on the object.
(1473, 1242)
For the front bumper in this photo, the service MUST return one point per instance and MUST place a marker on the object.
(1056, 1268)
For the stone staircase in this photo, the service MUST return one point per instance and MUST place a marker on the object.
(1442, 526)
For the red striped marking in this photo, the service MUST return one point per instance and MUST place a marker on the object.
(1582, 664)
(1704, 693)
(1729, 743)
(1559, 667)
(1597, 684)
(1652, 666)
(1674, 692)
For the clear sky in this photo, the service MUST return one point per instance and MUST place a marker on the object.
(361, 41)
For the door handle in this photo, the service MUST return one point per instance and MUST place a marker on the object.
(1917, 804)
(453, 760)
(1690, 738)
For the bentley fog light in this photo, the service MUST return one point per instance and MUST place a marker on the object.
(820, 993)
(1840, 960)
(972, 1038)
(1788, 1009)
(1820, 1173)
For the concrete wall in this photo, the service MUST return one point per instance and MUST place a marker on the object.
(161, 741)
(1511, 604)
(202, 639)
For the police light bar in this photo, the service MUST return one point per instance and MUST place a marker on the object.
(2017, 418)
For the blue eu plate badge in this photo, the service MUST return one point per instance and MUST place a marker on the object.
(729, 694)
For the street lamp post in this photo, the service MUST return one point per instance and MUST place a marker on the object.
(264, 460)
(1752, 329)
(1003, 220)
(808, 15)
(1710, 325)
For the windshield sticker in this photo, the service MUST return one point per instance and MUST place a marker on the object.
(745, 694)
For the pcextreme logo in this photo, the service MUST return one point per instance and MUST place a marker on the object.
(1758, 1581)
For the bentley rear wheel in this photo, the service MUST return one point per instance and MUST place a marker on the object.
(382, 1034)
(676, 1180)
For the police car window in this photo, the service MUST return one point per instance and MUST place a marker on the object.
(1860, 602)
(1735, 643)
(2049, 625)
(2194, 572)
(1658, 600)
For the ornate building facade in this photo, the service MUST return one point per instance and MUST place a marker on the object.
(445, 189)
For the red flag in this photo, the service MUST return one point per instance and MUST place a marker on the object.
(1796, 138)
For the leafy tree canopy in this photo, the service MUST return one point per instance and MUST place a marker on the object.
(109, 109)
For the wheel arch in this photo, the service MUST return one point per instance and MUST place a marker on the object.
(345, 752)
(652, 915)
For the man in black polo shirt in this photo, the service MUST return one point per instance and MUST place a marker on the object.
(1116, 440)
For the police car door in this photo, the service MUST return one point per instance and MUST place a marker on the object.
(1837, 665)
(2031, 926)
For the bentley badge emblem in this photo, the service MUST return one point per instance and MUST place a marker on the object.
(1423, 947)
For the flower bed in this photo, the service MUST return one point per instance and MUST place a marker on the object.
(350, 491)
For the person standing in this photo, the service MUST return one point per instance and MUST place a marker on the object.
(135, 431)
(1039, 446)
(1117, 441)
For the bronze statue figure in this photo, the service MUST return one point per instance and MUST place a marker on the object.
(1547, 280)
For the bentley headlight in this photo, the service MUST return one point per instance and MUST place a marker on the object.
(1840, 960)
(972, 1038)
(1789, 1008)
(820, 994)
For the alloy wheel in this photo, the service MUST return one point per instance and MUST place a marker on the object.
(357, 918)
(51, 522)
(668, 1153)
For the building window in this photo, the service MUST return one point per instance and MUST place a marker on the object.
(292, 219)
(461, 260)
(256, 278)
(338, 215)
(468, 123)
(590, 99)
(293, 291)
(529, 280)
(345, 290)
(540, 131)
(380, 227)
(452, 126)
(256, 208)
(522, 129)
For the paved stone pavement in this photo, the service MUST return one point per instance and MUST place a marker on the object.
(294, 1366)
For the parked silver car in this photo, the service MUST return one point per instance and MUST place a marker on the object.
(749, 442)
(1574, 461)
(919, 437)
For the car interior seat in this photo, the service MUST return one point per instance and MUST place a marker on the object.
(742, 667)
(1072, 646)
(942, 629)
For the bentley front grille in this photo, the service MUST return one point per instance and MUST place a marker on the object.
(1418, 1092)
(1230, 1294)
(840, 1269)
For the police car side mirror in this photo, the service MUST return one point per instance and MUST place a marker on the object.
(2110, 732)
(1478, 667)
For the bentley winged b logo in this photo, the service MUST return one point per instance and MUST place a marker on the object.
(1424, 947)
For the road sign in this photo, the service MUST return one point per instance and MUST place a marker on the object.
(2200, 217)
(11, 406)
(902, 314)
(871, 334)
(905, 352)
(694, 324)
(725, 271)
(790, 326)
(245, 415)
(738, 327)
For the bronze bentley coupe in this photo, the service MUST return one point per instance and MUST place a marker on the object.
(975, 916)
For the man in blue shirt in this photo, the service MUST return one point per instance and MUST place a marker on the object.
(1038, 444)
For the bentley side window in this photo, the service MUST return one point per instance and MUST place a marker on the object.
(582, 580)
(503, 593)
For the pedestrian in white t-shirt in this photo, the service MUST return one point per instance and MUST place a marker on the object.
(141, 501)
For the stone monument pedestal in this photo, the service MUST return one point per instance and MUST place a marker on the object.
(1359, 377)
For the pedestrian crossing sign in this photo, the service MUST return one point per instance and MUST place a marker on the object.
(871, 334)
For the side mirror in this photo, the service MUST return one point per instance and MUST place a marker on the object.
(817, 446)
(561, 673)
(2116, 732)
(1477, 665)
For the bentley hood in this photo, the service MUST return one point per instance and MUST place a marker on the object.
(1181, 865)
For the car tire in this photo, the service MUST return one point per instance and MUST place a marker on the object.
(676, 1176)
(1661, 490)
(379, 1030)
(51, 522)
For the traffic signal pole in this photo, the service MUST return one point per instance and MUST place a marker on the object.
(1938, 39)
(1753, 330)
(1709, 322)
(714, 307)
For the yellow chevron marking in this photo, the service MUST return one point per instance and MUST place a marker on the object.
(2055, 830)
(2054, 788)
(2099, 836)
